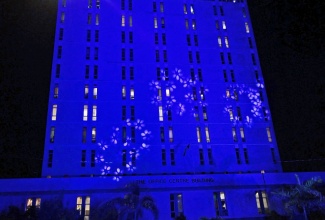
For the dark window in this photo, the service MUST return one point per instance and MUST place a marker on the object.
(50, 158)
(61, 34)
(83, 158)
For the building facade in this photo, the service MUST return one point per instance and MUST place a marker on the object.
(168, 94)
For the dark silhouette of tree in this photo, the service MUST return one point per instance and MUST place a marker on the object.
(12, 213)
(130, 207)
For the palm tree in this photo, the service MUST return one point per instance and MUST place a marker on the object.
(130, 207)
(302, 197)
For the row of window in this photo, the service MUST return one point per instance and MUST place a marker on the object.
(87, 71)
(175, 201)
(85, 112)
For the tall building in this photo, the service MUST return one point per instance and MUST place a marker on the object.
(168, 94)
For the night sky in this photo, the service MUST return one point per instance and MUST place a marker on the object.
(291, 51)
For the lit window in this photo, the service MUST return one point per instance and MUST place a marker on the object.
(202, 93)
(192, 9)
(246, 27)
(83, 206)
(98, 4)
(62, 17)
(167, 92)
(130, 21)
(224, 25)
(193, 25)
(234, 134)
(155, 22)
(93, 135)
(205, 114)
(94, 118)
(33, 202)
(227, 93)
(268, 132)
(54, 112)
(123, 92)
(231, 114)
(185, 9)
(132, 93)
(198, 134)
(226, 42)
(123, 21)
(242, 134)
(97, 19)
(161, 7)
(207, 134)
(86, 92)
(56, 91)
(85, 113)
(52, 134)
(186, 24)
(219, 41)
(176, 204)
(220, 206)
(201, 156)
(161, 114)
(95, 90)
(50, 158)
(170, 133)
(262, 202)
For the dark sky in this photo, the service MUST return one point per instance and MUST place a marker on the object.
(291, 52)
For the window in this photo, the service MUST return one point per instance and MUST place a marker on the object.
(231, 114)
(193, 25)
(163, 156)
(33, 202)
(131, 54)
(222, 58)
(130, 5)
(133, 157)
(215, 12)
(262, 202)
(224, 25)
(94, 118)
(162, 134)
(98, 4)
(186, 24)
(154, 7)
(176, 205)
(156, 38)
(217, 25)
(172, 156)
(232, 74)
(198, 60)
(50, 158)
(124, 112)
(268, 132)
(123, 21)
(83, 158)
(202, 96)
(207, 134)
(89, 18)
(161, 114)
(261, 96)
(123, 134)
(83, 206)
(221, 11)
(265, 112)
(132, 113)
(161, 7)
(130, 37)
(57, 70)
(59, 52)
(185, 9)
(246, 156)
(196, 113)
(52, 134)
(226, 42)
(97, 19)
(188, 39)
(163, 37)
(244, 12)
(198, 134)
(157, 56)
(250, 42)
(159, 94)
(87, 53)
(90, 3)
(201, 156)
(88, 35)
(162, 22)
(210, 156)
(246, 27)
(132, 93)
(199, 73)
(61, 34)
(192, 75)
(123, 92)
(123, 54)
(86, 92)
(85, 113)
(238, 113)
(133, 134)
(96, 53)
(84, 135)
(234, 134)
(62, 17)
(130, 21)
(95, 72)
(64, 3)
(131, 73)
(166, 74)
(123, 73)
(122, 4)
(92, 157)
(229, 58)
(123, 36)
(87, 72)
(190, 57)
(220, 205)
(192, 9)
(93, 135)
(205, 114)
(169, 114)
(194, 93)
(170, 134)
(225, 75)
(155, 22)
(165, 55)
(54, 112)
(273, 155)
(95, 90)
(238, 155)
(56, 91)
(253, 59)
(236, 98)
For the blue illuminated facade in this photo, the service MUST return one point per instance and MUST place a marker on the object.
(168, 94)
